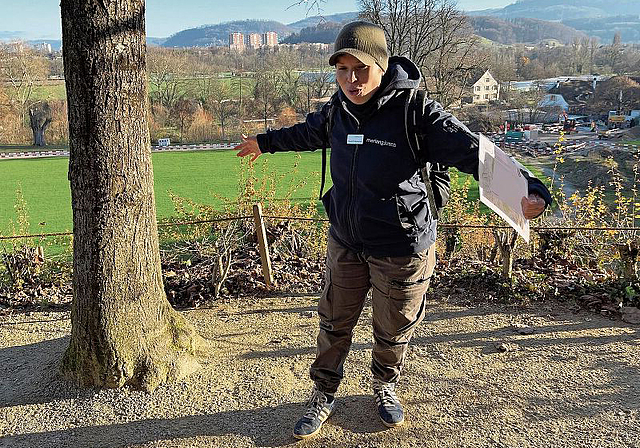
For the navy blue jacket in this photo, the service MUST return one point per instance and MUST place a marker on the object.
(378, 203)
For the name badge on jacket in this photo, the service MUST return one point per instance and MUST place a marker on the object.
(355, 139)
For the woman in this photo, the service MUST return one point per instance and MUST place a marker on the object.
(382, 231)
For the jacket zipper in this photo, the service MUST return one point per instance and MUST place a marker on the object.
(352, 180)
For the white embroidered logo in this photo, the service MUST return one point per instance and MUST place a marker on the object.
(381, 142)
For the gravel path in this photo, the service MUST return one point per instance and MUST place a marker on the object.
(481, 376)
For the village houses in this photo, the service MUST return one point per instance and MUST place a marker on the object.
(485, 89)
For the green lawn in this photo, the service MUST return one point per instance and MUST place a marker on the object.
(203, 176)
(50, 91)
(198, 175)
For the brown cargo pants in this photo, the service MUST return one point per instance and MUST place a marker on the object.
(399, 286)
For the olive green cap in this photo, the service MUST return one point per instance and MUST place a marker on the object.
(362, 40)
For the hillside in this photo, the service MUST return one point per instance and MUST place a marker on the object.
(325, 33)
(218, 34)
(565, 9)
(598, 18)
(493, 28)
(524, 21)
(522, 30)
(605, 27)
(316, 20)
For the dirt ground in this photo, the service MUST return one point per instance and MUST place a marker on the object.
(476, 376)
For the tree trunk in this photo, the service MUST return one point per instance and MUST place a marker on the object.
(39, 119)
(38, 133)
(124, 331)
(506, 242)
(629, 252)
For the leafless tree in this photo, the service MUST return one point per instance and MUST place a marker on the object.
(265, 95)
(593, 48)
(284, 68)
(311, 6)
(318, 85)
(167, 68)
(23, 69)
(455, 59)
(527, 104)
(223, 106)
(614, 52)
(434, 35)
(580, 55)
(183, 112)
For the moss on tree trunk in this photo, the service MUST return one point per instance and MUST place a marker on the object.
(124, 331)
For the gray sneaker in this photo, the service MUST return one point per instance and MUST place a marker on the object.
(320, 408)
(389, 407)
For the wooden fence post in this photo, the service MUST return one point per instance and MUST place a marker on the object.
(263, 245)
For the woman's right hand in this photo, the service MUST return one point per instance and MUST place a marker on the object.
(249, 146)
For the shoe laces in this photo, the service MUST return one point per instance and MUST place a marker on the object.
(386, 393)
(317, 401)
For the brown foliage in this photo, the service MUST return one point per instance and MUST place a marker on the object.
(607, 95)
(287, 117)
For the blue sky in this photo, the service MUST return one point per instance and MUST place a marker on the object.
(40, 19)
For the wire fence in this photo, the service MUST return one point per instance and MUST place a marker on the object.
(608, 257)
(297, 218)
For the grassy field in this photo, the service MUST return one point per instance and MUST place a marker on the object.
(50, 91)
(203, 176)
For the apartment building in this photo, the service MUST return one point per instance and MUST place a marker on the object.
(270, 39)
(236, 41)
(240, 42)
(254, 40)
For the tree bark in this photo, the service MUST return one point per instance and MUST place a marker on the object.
(124, 331)
(629, 252)
(506, 242)
(39, 119)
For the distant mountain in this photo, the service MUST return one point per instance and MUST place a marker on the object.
(605, 27)
(564, 9)
(571, 19)
(11, 35)
(523, 30)
(207, 35)
(325, 33)
(492, 28)
(599, 18)
(316, 20)
(155, 41)
(218, 34)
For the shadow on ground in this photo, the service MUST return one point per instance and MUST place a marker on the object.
(267, 426)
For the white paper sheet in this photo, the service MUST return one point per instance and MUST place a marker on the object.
(502, 186)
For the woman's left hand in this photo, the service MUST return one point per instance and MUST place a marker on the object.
(532, 206)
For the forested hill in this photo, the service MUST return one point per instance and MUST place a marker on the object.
(492, 28)
(604, 28)
(523, 30)
(524, 21)
(219, 34)
(325, 33)
(317, 20)
(565, 9)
